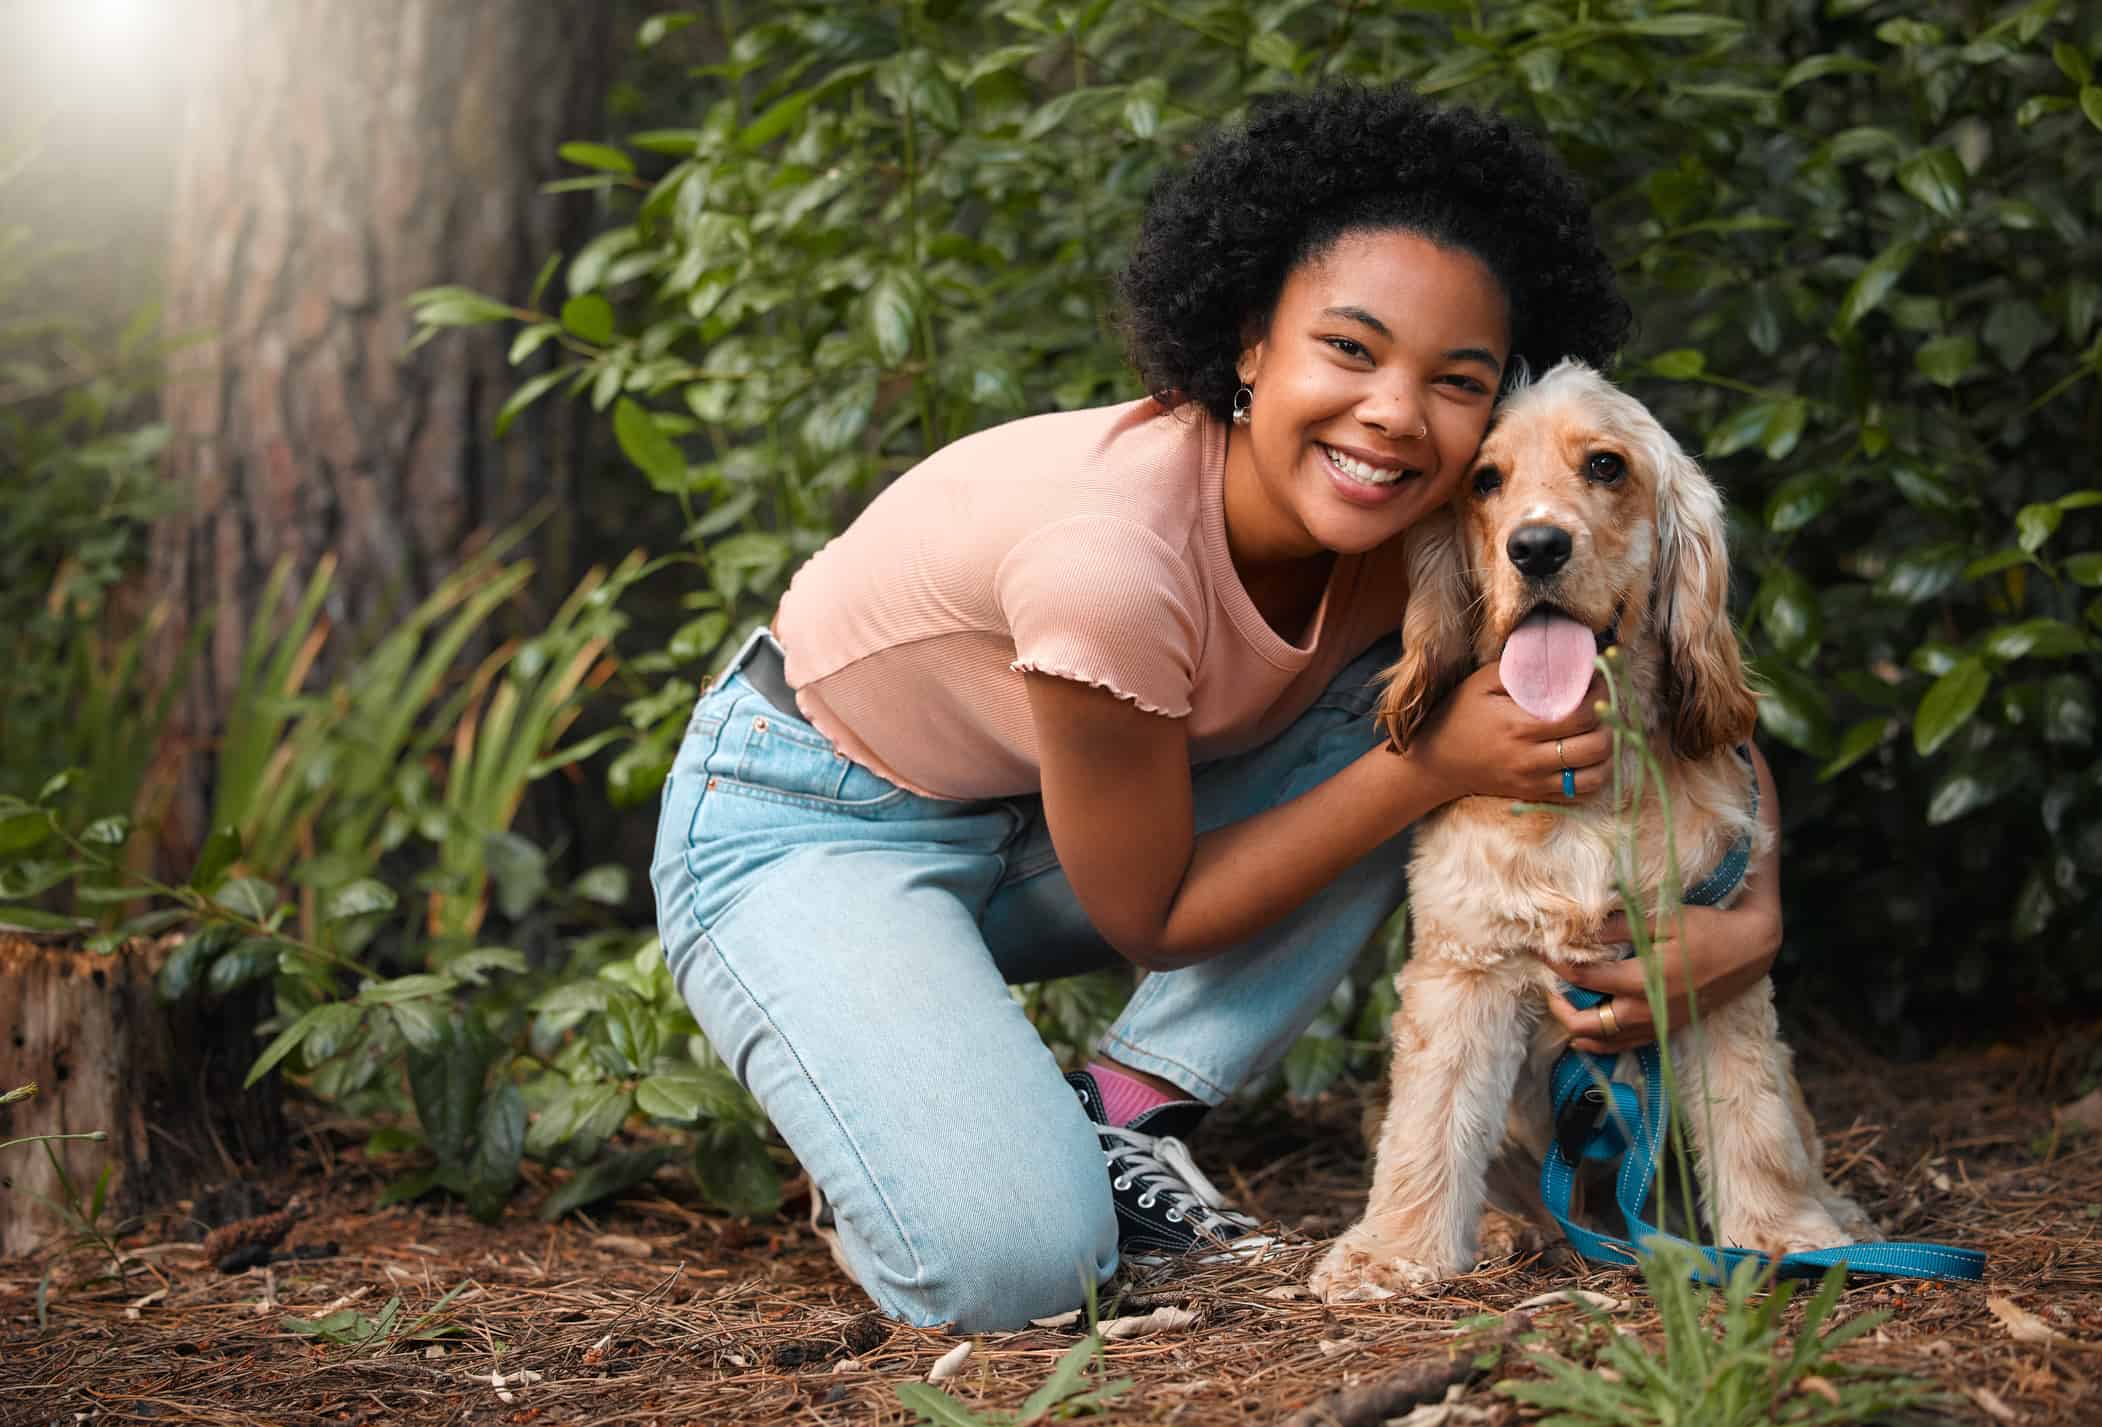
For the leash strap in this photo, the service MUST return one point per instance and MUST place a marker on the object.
(1598, 1118)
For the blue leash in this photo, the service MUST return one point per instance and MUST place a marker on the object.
(1596, 1118)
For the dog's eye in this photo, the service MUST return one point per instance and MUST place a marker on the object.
(1605, 467)
(1487, 480)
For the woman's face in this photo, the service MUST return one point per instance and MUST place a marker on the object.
(1372, 388)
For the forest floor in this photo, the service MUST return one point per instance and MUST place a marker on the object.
(656, 1310)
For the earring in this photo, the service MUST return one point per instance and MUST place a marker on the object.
(1243, 406)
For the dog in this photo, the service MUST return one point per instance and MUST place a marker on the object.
(1582, 524)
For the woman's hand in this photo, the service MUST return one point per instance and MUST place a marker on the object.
(1717, 954)
(1480, 742)
(1714, 955)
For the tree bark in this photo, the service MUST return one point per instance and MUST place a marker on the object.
(337, 156)
(162, 1082)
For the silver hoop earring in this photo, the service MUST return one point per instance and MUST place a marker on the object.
(1243, 406)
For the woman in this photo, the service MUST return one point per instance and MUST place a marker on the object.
(1096, 685)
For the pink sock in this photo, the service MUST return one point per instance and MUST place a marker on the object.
(1125, 1097)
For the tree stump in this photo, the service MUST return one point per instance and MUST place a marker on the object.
(164, 1082)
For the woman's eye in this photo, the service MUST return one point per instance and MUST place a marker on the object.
(1347, 347)
(1605, 467)
(1467, 384)
(1487, 480)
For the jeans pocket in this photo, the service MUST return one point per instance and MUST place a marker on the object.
(766, 756)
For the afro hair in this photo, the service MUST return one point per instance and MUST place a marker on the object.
(1222, 234)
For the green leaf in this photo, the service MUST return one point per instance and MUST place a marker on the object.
(1922, 574)
(2073, 63)
(1793, 708)
(2091, 103)
(405, 988)
(1961, 793)
(185, 965)
(1142, 103)
(690, 1095)
(734, 1171)
(249, 897)
(598, 156)
(776, 119)
(937, 1407)
(519, 870)
(1869, 289)
(288, 1040)
(2084, 568)
(447, 1087)
(527, 394)
(499, 1145)
(360, 898)
(1684, 26)
(1856, 744)
(2041, 638)
(1067, 1377)
(2014, 330)
(1820, 66)
(220, 851)
(2035, 524)
(1314, 1063)
(251, 959)
(643, 441)
(1945, 361)
(1274, 50)
(892, 317)
(1790, 611)
(107, 832)
(35, 919)
(1936, 178)
(1949, 704)
(1679, 364)
(589, 317)
(612, 1175)
(1800, 499)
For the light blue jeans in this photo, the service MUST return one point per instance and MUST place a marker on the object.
(847, 947)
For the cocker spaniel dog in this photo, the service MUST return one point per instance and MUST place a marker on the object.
(1583, 524)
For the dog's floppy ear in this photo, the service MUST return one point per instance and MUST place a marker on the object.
(1435, 635)
(1711, 705)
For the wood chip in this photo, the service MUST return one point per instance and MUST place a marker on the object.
(1058, 1320)
(1286, 1292)
(1822, 1387)
(951, 1362)
(1329, 1347)
(1139, 1325)
(131, 1310)
(1999, 1411)
(625, 1244)
(1584, 1296)
(2022, 1325)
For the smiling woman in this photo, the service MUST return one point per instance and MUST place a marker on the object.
(1096, 685)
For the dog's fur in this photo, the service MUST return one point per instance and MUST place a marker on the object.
(1489, 888)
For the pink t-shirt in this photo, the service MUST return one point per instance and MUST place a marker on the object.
(1087, 544)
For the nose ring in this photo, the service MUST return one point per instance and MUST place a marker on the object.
(1423, 431)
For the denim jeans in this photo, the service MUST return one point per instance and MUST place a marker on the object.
(847, 946)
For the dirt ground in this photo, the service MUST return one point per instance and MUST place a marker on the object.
(658, 1311)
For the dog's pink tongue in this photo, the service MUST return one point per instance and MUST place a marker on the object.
(1547, 664)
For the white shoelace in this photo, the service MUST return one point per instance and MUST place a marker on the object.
(1160, 1165)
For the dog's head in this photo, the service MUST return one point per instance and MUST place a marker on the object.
(1579, 504)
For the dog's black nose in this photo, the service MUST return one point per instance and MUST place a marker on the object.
(1538, 550)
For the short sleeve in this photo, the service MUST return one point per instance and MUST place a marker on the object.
(1106, 602)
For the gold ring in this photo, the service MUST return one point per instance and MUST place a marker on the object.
(1608, 1022)
(1558, 754)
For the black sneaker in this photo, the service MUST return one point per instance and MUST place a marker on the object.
(1166, 1208)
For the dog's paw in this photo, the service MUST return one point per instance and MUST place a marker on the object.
(1854, 1222)
(1504, 1236)
(1809, 1227)
(1357, 1269)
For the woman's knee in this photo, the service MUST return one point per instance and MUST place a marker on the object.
(987, 1273)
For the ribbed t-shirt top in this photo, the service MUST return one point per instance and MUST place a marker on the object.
(1086, 544)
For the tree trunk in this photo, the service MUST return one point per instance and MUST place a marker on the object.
(162, 1082)
(337, 156)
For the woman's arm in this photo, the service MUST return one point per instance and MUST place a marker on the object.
(1710, 955)
(1117, 798)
